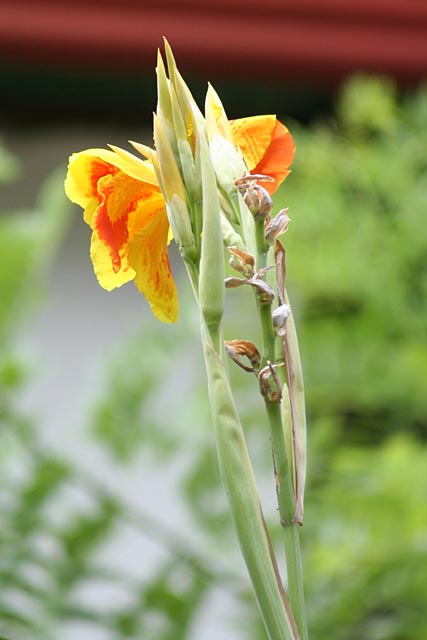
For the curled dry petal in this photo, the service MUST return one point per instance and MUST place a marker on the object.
(261, 272)
(237, 349)
(242, 261)
(232, 282)
(249, 179)
(264, 292)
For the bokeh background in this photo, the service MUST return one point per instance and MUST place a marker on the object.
(113, 523)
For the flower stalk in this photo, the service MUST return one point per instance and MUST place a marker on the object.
(281, 458)
(240, 487)
(201, 184)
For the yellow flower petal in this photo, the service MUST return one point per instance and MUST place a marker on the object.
(119, 195)
(85, 169)
(145, 151)
(126, 210)
(151, 206)
(147, 254)
(134, 166)
(108, 278)
(253, 136)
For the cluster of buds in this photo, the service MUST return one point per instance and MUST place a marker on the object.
(186, 175)
(259, 203)
(196, 163)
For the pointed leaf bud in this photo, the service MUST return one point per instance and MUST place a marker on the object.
(211, 280)
(193, 117)
(216, 118)
(180, 222)
(229, 234)
(171, 180)
(164, 107)
(227, 162)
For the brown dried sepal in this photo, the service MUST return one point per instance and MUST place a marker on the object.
(251, 178)
(264, 292)
(280, 261)
(238, 349)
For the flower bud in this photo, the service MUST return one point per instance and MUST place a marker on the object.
(211, 278)
(269, 384)
(258, 201)
(280, 315)
(171, 181)
(180, 222)
(216, 118)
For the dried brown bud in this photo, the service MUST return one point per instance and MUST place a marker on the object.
(237, 349)
(258, 201)
(256, 198)
(277, 226)
(269, 384)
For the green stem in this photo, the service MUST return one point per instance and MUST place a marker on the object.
(282, 466)
(291, 530)
(239, 483)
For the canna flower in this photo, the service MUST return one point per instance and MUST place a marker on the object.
(264, 142)
(125, 208)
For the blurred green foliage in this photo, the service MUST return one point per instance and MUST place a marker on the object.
(357, 267)
(357, 275)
